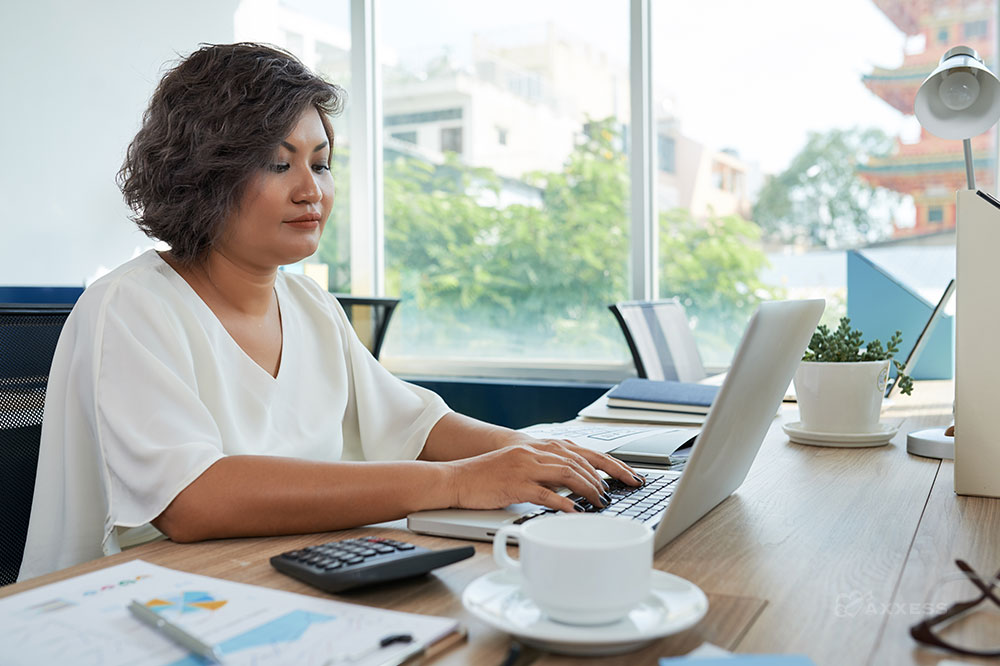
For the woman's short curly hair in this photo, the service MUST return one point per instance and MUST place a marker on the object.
(214, 120)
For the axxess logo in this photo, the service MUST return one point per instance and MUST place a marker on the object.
(854, 603)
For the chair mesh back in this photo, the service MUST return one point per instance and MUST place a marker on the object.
(28, 337)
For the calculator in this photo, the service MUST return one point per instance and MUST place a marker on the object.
(351, 563)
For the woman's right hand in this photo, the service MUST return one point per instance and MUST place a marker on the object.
(530, 470)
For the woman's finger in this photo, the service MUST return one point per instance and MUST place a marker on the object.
(561, 474)
(614, 467)
(553, 500)
(567, 449)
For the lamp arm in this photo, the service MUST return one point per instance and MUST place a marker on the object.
(970, 176)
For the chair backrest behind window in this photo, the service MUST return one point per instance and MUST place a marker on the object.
(28, 336)
(370, 317)
(660, 339)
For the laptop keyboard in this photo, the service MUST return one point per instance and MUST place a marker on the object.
(643, 503)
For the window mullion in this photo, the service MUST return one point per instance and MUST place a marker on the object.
(367, 214)
(644, 237)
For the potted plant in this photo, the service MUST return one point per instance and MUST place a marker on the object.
(841, 381)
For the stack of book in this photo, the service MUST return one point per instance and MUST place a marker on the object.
(652, 401)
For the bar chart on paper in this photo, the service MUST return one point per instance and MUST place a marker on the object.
(85, 620)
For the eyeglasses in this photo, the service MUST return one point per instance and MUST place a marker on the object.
(923, 631)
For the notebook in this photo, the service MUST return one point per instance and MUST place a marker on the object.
(663, 395)
(723, 451)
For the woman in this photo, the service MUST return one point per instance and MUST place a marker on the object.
(205, 393)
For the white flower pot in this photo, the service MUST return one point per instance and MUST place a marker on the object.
(841, 397)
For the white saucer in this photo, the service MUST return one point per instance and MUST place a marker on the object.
(800, 435)
(673, 605)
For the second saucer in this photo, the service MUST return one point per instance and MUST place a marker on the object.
(800, 435)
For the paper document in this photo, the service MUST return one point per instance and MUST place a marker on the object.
(600, 410)
(85, 620)
(600, 437)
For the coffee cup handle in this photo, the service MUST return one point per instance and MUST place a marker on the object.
(500, 555)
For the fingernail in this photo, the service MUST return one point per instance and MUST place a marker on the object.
(639, 478)
(577, 507)
(607, 486)
(605, 499)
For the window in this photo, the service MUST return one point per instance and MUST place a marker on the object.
(507, 179)
(507, 241)
(408, 137)
(451, 140)
(665, 153)
(765, 203)
(976, 29)
(422, 117)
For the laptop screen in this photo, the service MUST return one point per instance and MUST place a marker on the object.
(925, 334)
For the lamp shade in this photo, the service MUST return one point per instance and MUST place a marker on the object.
(961, 97)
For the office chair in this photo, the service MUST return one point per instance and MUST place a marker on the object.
(28, 336)
(370, 317)
(660, 339)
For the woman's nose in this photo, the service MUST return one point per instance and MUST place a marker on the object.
(308, 190)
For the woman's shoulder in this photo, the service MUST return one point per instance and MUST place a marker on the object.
(141, 285)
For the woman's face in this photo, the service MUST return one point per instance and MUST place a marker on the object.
(285, 206)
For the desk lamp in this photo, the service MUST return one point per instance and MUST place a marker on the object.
(959, 100)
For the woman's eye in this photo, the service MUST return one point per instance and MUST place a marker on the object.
(278, 168)
(319, 168)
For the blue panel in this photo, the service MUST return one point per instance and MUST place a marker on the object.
(513, 403)
(878, 304)
(36, 295)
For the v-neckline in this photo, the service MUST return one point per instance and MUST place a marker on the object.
(282, 360)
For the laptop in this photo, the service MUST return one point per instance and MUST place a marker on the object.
(723, 451)
(925, 334)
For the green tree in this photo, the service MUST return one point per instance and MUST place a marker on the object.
(713, 267)
(821, 200)
(509, 277)
(473, 265)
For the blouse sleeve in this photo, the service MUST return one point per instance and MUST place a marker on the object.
(386, 417)
(154, 431)
(124, 431)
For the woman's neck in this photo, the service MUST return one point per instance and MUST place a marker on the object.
(222, 282)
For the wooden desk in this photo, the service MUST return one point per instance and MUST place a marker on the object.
(822, 551)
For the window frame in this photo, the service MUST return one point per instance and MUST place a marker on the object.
(367, 223)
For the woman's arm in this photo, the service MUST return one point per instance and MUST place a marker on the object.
(264, 496)
(465, 463)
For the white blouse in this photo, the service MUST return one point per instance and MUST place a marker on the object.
(147, 389)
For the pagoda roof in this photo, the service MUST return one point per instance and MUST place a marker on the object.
(898, 87)
(924, 165)
(907, 14)
(913, 174)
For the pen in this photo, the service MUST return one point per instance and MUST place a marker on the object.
(174, 632)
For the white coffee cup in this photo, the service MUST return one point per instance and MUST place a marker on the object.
(582, 569)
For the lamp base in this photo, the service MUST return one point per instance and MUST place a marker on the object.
(931, 443)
